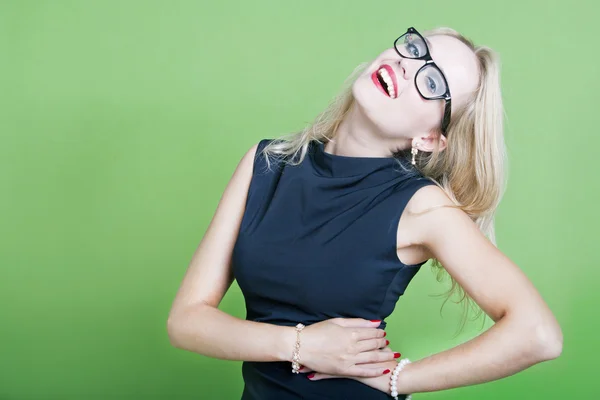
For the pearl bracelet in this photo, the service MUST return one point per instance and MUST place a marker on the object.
(296, 354)
(394, 378)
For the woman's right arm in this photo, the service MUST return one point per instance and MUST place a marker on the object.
(196, 324)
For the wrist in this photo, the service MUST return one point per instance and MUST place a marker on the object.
(400, 378)
(404, 380)
(286, 340)
(383, 384)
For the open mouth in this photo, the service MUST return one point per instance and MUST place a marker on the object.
(385, 79)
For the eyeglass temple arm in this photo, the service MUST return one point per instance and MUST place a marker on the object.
(447, 112)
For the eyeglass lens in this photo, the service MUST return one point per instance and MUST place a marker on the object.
(430, 82)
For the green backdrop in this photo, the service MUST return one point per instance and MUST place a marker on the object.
(122, 122)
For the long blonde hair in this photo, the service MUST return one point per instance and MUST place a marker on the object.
(471, 169)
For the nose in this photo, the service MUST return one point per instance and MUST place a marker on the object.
(408, 68)
(401, 70)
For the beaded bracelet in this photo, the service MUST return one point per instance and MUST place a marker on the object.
(296, 354)
(394, 378)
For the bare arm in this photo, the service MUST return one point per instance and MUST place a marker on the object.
(196, 324)
(525, 332)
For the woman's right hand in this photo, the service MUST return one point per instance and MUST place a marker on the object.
(339, 346)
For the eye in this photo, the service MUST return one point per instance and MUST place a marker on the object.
(412, 49)
(431, 85)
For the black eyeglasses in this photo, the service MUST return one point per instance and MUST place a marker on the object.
(429, 79)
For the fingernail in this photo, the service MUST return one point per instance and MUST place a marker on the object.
(375, 320)
(387, 371)
(397, 355)
(387, 342)
(310, 376)
(384, 333)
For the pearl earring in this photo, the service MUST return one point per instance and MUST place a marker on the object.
(414, 152)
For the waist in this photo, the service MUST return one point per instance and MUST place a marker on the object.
(275, 381)
(307, 319)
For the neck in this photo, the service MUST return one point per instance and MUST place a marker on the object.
(357, 136)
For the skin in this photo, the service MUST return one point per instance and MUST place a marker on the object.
(341, 346)
(378, 124)
(525, 332)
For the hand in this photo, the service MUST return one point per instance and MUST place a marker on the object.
(381, 382)
(345, 347)
(315, 375)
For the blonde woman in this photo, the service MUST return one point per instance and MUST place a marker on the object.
(324, 229)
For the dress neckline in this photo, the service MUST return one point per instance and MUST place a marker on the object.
(333, 165)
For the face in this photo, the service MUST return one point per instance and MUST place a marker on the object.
(408, 115)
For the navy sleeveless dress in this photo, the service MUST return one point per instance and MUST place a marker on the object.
(318, 241)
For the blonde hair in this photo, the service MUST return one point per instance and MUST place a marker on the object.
(471, 169)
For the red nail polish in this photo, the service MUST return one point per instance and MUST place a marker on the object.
(310, 376)
(384, 333)
(387, 342)
(387, 371)
(375, 320)
(397, 355)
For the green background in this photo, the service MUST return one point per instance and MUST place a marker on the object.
(122, 122)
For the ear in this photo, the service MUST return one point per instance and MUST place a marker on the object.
(427, 141)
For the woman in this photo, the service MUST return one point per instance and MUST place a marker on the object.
(324, 230)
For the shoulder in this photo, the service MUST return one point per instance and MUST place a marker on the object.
(432, 218)
(246, 166)
(254, 152)
(427, 196)
(247, 161)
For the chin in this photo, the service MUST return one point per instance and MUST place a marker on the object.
(380, 113)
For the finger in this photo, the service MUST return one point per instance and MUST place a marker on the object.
(387, 348)
(367, 333)
(356, 322)
(375, 357)
(305, 370)
(360, 371)
(371, 344)
(381, 365)
(318, 376)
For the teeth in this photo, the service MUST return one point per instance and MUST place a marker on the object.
(388, 81)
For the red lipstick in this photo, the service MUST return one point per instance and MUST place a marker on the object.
(392, 75)
(377, 83)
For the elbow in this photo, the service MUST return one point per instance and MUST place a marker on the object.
(182, 333)
(173, 329)
(550, 341)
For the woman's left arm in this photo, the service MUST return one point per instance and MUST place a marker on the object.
(525, 330)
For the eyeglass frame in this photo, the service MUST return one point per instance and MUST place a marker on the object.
(429, 62)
